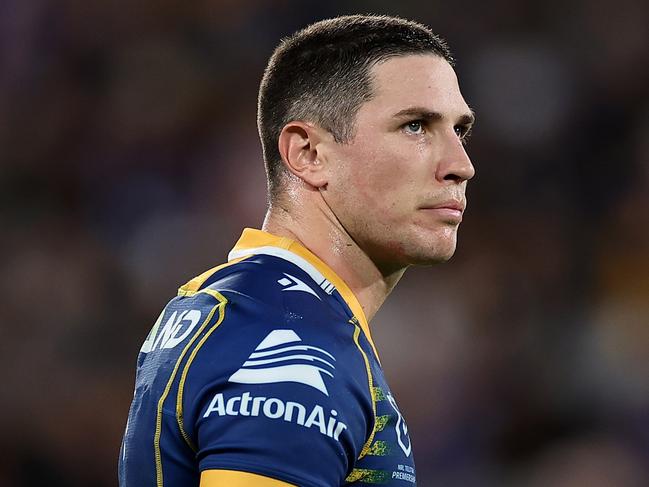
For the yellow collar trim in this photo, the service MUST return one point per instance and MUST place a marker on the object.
(253, 239)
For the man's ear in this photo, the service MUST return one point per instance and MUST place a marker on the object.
(301, 152)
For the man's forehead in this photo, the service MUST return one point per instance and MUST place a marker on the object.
(420, 80)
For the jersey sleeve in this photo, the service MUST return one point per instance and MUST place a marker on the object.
(271, 394)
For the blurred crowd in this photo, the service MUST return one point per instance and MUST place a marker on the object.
(129, 162)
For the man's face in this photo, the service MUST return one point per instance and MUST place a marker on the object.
(398, 187)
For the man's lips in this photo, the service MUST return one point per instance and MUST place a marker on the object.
(451, 209)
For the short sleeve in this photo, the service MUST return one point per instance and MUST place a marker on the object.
(287, 400)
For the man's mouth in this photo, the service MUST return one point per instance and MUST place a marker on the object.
(449, 210)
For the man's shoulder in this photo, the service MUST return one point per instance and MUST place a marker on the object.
(262, 357)
(238, 309)
(268, 284)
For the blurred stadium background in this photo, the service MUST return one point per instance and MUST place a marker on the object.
(129, 162)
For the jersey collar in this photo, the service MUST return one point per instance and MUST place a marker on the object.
(255, 242)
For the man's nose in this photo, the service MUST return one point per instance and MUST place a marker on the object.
(455, 164)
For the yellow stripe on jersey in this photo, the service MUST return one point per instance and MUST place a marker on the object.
(232, 478)
(222, 301)
(368, 476)
(253, 238)
(183, 376)
(191, 287)
(379, 448)
(381, 421)
(370, 383)
(379, 395)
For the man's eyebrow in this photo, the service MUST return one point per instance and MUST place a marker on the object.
(428, 115)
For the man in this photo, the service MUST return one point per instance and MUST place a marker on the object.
(262, 372)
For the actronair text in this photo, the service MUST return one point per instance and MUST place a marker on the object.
(274, 408)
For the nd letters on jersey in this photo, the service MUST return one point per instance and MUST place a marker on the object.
(264, 365)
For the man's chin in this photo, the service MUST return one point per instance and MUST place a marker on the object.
(432, 255)
(419, 249)
(432, 259)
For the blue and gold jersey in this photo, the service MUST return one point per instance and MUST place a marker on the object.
(265, 365)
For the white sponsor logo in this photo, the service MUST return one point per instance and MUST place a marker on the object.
(175, 331)
(402, 429)
(292, 283)
(269, 364)
(404, 476)
(274, 408)
(405, 472)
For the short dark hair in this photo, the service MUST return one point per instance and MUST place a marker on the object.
(321, 74)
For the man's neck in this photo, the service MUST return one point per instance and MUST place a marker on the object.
(319, 231)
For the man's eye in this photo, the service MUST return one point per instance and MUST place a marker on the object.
(415, 127)
(462, 132)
